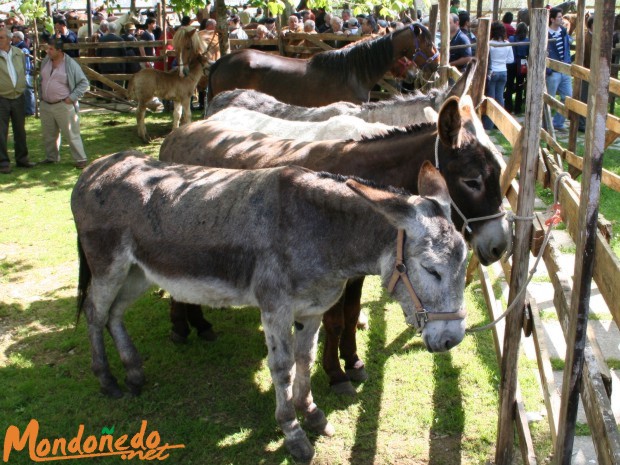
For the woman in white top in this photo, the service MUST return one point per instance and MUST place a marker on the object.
(497, 76)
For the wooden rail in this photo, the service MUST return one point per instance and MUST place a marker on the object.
(596, 381)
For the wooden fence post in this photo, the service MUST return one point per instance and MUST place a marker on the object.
(482, 53)
(444, 24)
(495, 13)
(520, 262)
(89, 18)
(432, 19)
(577, 83)
(586, 237)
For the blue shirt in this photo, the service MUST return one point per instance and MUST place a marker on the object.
(460, 39)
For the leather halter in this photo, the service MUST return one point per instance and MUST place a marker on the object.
(421, 316)
(419, 53)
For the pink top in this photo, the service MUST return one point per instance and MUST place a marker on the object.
(54, 83)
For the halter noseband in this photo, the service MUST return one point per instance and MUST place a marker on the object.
(420, 316)
(466, 220)
(419, 52)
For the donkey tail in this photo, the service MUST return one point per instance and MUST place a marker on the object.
(85, 276)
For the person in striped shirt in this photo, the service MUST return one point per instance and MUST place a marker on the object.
(558, 49)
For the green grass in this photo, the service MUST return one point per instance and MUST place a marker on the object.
(215, 398)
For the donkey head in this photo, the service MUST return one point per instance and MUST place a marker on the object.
(469, 163)
(433, 258)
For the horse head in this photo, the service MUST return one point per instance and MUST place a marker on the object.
(426, 271)
(469, 162)
(425, 54)
(189, 47)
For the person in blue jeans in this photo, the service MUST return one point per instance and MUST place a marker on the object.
(558, 49)
(497, 76)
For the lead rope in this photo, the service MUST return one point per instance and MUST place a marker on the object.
(512, 218)
(551, 222)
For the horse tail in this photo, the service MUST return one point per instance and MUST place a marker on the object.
(84, 279)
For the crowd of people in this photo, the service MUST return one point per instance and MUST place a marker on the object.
(509, 50)
(507, 68)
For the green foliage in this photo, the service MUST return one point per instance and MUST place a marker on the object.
(34, 10)
(388, 8)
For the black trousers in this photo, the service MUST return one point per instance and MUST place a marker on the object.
(13, 110)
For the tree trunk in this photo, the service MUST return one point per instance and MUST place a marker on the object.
(222, 26)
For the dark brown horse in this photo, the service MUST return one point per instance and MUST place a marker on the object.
(468, 165)
(346, 74)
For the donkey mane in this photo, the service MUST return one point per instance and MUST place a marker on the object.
(396, 131)
(412, 97)
(342, 178)
(360, 60)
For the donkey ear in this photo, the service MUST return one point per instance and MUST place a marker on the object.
(432, 184)
(394, 207)
(461, 87)
(449, 123)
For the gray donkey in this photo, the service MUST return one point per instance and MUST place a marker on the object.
(283, 239)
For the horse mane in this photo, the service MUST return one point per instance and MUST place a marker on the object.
(342, 178)
(360, 60)
(188, 33)
(399, 132)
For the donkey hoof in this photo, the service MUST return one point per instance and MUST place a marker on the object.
(317, 423)
(207, 335)
(362, 321)
(177, 338)
(344, 388)
(357, 374)
(300, 449)
(113, 391)
(135, 389)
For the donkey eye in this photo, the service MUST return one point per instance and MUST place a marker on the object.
(473, 184)
(433, 273)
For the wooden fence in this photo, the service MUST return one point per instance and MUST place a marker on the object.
(596, 381)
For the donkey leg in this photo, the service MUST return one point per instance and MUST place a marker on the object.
(135, 285)
(277, 324)
(99, 360)
(181, 314)
(333, 322)
(178, 317)
(102, 294)
(197, 320)
(306, 336)
(354, 367)
(140, 112)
